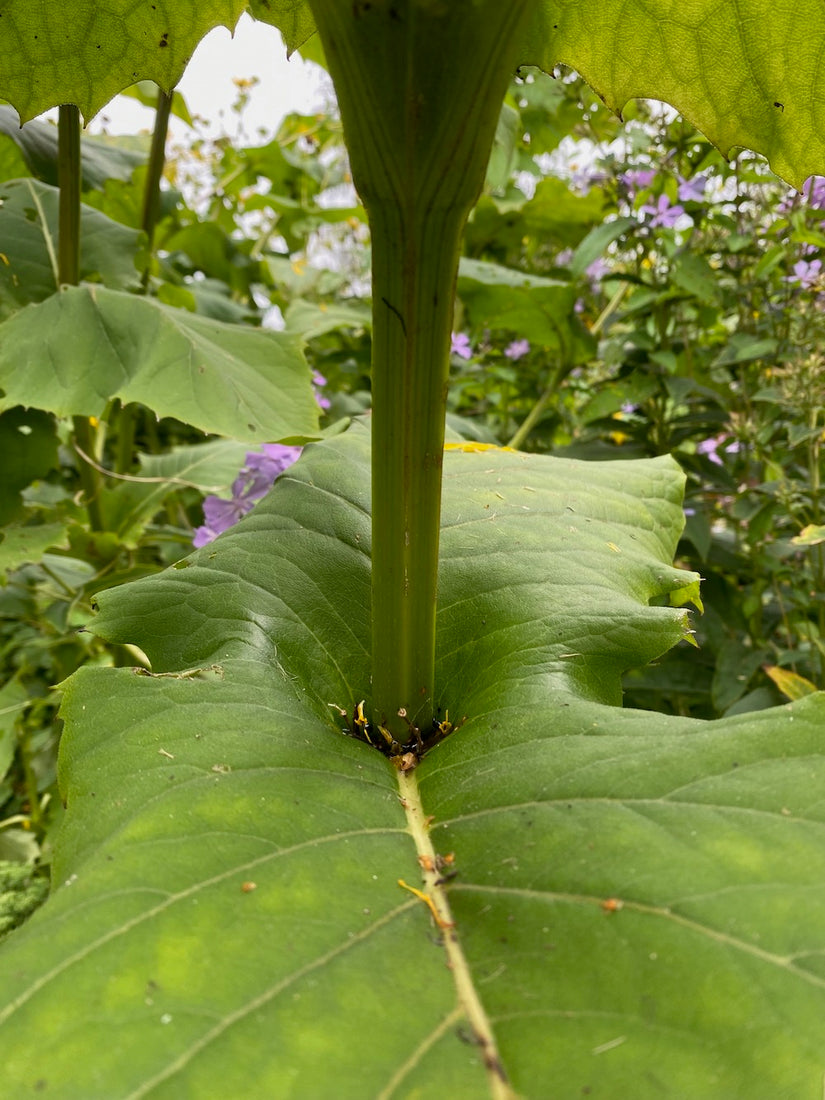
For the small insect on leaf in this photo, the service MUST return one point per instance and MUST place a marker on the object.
(248, 887)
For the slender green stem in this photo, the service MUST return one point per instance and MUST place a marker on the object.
(127, 415)
(536, 413)
(68, 270)
(157, 160)
(30, 778)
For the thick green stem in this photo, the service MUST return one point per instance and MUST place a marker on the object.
(420, 85)
(414, 265)
(68, 272)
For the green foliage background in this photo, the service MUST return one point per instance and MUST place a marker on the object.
(638, 905)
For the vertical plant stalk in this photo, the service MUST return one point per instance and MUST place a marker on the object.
(124, 449)
(151, 194)
(420, 85)
(68, 273)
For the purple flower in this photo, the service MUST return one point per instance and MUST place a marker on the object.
(710, 447)
(806, 273)
(254, 481)
(628, 408)
(262, 467)
(637, 179)
(460, 345)
(664, 214)
(596, 270)
(517, 349)
(692, 190)
(318, 382)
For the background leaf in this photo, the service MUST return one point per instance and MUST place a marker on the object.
(247, 383)
(27, 273)
(537, 308)
(35, 149)
(28, 450)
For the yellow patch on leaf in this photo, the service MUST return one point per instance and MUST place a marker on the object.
(472, 448)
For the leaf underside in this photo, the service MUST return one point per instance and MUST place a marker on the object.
(742, 71)
(640, 898)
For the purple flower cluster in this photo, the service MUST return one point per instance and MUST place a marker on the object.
(664, 213)
(637, 179)
(254, 481)
(814, 191)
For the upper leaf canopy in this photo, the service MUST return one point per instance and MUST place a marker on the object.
(743, 71)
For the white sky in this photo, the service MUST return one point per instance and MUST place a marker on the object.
(255, 50)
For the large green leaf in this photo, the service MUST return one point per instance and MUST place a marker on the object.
(744, 71)
(741, 70)
(28, 229)
(86, 52)
(231, 380)
(639, 904)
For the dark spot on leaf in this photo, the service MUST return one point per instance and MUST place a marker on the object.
(781, 106)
